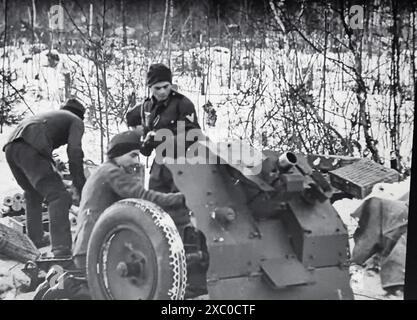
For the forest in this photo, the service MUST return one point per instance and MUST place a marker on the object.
(327, 77)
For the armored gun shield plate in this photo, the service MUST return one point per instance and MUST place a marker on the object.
(136, 253)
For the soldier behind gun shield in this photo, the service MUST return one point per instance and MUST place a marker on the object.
(163, 110)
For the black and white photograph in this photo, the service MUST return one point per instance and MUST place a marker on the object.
(206, 150)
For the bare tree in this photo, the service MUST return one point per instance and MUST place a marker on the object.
(395, 87)
(166, 16)
(4, 107)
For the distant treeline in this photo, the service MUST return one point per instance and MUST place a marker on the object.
(188, 23)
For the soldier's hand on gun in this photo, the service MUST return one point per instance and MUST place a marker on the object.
(149, 137)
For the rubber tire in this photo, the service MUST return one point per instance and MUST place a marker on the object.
(142, 215)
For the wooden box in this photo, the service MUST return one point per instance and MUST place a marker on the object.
(359, 177)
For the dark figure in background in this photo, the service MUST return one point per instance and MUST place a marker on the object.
(163, 110)
(29, 155)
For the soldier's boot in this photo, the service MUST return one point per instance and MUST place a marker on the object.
(43, 242)
(59, 202)
(34, 225)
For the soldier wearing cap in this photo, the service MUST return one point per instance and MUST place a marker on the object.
(29, 155)
(111, 182)
(163, 110)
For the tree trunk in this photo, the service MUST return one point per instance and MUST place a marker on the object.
(148, 24)
(104, 72)
(413, 53)
(3, 111)
(170, 23)
(165, 21)
(219, 28)
(355, 47)
(34, 13)
(229, 83)
(193, 36)
(122, 5)
(395, 85)
(377, 85)
(100, 111)
(90, 23)
(323, 87)
(30, 15)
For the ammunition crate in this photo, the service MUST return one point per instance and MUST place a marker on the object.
(358, 179)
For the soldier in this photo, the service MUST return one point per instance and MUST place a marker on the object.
(29, 155)
(164, 110)
(111, 182)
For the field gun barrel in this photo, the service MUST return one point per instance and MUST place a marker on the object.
(286, 161)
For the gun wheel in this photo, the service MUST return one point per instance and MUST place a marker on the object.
(136, 253)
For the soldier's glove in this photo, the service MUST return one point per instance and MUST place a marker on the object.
(149, 138)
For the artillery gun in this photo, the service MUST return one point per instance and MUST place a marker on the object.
(270, 232)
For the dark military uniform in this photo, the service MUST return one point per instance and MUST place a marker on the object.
(107, 185)
(154, 115)
(29, 155)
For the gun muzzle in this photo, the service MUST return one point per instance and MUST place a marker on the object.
(286, 161)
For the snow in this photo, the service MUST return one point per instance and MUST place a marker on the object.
(365, 283)
(392, 191)
(256, 67)
(8, 185)
(11, 278)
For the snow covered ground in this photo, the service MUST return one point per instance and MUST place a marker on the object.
(366, 283)
(45, 92)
